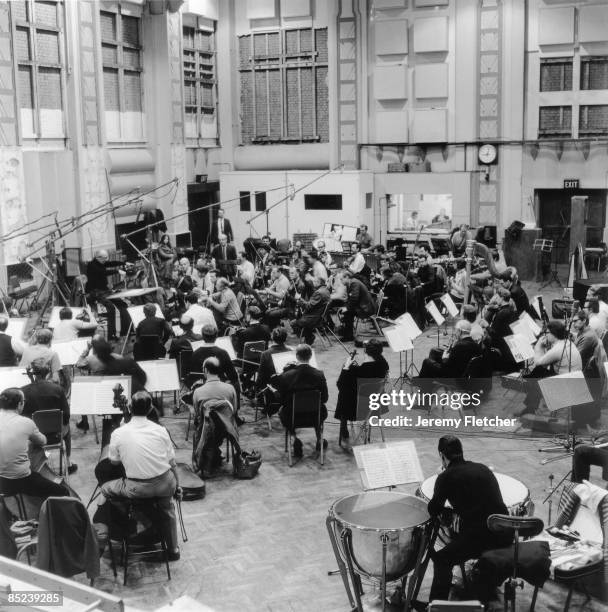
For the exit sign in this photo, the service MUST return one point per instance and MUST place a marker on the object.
(570, 183)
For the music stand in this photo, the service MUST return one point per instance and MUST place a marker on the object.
(543, 246)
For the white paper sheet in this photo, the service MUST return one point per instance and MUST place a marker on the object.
(69, 352)
(398, 339)
(162, 375)
(137, 314)
(434, 312)
(446, 298)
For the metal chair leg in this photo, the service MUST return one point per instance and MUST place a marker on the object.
(533, 602)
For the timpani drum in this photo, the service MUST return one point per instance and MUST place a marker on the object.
(515, 494)
(376, 516)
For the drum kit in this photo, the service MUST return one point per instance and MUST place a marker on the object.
(386, 536)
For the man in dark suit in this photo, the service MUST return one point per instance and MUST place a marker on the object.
(509, 281)
(456, 362)
(301, 377)
(45, 394)
(224, 255)
(267, 370)
(220, 226)
(312, 310)
(151, 334)
(499, 327)
(359, 303)
(254, 332)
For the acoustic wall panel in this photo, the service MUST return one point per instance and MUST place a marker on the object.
(390, 4)
(593, 23)
(556, 26)
(422, 3)
(260, 9)
(390, 82)
(431, 34)
(431, 81)
(430, 125)
(295, 8)
(391, 126)
(391, 37)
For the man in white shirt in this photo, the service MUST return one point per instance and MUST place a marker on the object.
(279, 285)
(412, 222)
(67, 329)
(245, 268)
(146, 452)
(318, 270)
(199, 314)
(358, 262)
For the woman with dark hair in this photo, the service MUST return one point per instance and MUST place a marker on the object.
(356, 382)
(166, 254)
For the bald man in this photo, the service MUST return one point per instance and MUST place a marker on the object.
(98, 288)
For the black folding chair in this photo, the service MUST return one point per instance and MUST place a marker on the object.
(305, 413)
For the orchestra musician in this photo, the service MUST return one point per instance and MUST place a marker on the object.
(458, 239)
(245, 269)
(278, 288)
(500, 313)
(183, 283)
(395, 292)
(287, 306)
(69, 328)
(224, 257)
(266, 369)
(183, 342)
(224, 304)
(357, 261)
(510, 281)
(359, 303)
(322, 254)
(312, 311)
(317, 269)
(364, 238)
(98, 287)
(11, 348)
(221, 226)
(201, 315)
(375, 366)
(586, 455)
(165, 256)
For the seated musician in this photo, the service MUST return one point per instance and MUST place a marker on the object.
(395, 292)
(69, 328)
(458, 239)
(245, 269)
(255, 331)
(469, 313)
(375, 366)
(312, 311)
(132, 277)
(586, 455)
(322, 254)
(337, 288)
(364, 238)
(359, 303)
(153, 325)
(224, 258)
(500, 314)
(457, 283)
(45, 394)
(474, 494)
(300, 377)
(510, 281)
(266, 369)
(224, 305)
(42, 350)
(17, 435)
(357, 264)
(286, 307)
(183, 342)
(209, 349)
(454, 364)
(11, 348)
(317, 269)
(210, 281)
(145, 450)
(278, 287)
(183, 283)
(98, 288)
(553, 354)
(198, 274)
(214, 389)
(165, 255)
(201, 315)
(425, 271)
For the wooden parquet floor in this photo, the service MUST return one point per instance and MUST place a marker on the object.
(262, 545)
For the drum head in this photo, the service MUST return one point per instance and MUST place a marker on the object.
(513, 491)
(381, 510)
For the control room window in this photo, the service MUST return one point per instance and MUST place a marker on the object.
(121, 53)
(322, 202)
(200, 94)
(39, 57)
(245, 200)
(556, 74)
(555, 122)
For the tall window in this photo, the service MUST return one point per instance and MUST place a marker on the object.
(284, 86)
(555, 121)
(200, 95)
(37, 35)
(593, 120)
(556, 74)
(122, 75)
(594, 72)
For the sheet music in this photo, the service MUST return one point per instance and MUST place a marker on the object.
(70, 351)
(398, 339)
(137, 314)
(388, 464)
(446, 298)
(13, 377)
(434, 312)
(565, 391)
(178, 331)
(225, 343)
(76, 311)
(16, 328)
(532, 324)
(94, 394)
(131, 293)
(406, 321)
(520, 347)
(161, 375)
(521, 328)
(280, 360)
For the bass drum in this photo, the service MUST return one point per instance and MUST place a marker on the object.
(378, 515)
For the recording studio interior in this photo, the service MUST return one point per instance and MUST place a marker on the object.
(304, 305)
